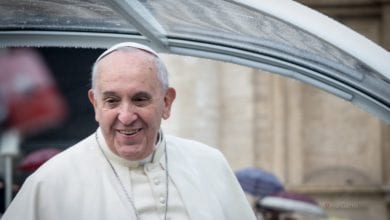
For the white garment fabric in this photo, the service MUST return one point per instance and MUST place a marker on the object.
(80, 184)
(147, 183)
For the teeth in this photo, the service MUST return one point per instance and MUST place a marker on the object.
(131, 132)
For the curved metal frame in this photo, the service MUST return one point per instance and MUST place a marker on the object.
(370, 92)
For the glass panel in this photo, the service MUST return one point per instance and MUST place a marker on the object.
(68, 15)
(221, 21)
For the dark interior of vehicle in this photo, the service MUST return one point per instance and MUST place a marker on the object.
(70, 68)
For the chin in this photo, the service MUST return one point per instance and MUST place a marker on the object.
(131, 154)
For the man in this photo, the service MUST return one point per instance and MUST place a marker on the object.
(128, 169)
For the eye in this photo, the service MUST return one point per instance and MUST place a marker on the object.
(141, 99)
(110, 102)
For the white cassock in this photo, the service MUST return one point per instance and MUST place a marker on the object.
(80, 184)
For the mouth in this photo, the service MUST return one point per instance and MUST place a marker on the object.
(130, 132)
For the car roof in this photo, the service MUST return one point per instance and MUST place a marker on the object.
(282, 36)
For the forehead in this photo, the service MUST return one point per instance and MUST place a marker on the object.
(126, 69)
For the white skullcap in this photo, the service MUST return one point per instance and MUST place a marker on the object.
(127, 44)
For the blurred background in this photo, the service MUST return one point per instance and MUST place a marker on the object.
(316, 144)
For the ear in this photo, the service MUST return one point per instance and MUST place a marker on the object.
(169, 97)
(92, 99)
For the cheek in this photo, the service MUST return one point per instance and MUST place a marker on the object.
(152, 116)
(104, 116)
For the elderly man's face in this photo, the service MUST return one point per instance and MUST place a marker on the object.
(129, 103)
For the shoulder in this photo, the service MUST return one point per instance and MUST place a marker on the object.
(187, 145)
(67, 161)
(194, 151)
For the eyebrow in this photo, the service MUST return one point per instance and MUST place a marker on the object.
(142, 93)
(109, 93)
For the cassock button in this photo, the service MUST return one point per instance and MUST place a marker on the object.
(157, 181)
(162, 200)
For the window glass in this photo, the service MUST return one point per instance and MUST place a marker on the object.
(68, 15)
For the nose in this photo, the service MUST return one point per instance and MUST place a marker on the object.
(127, 114)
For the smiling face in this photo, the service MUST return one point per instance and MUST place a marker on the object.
(129, 102)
